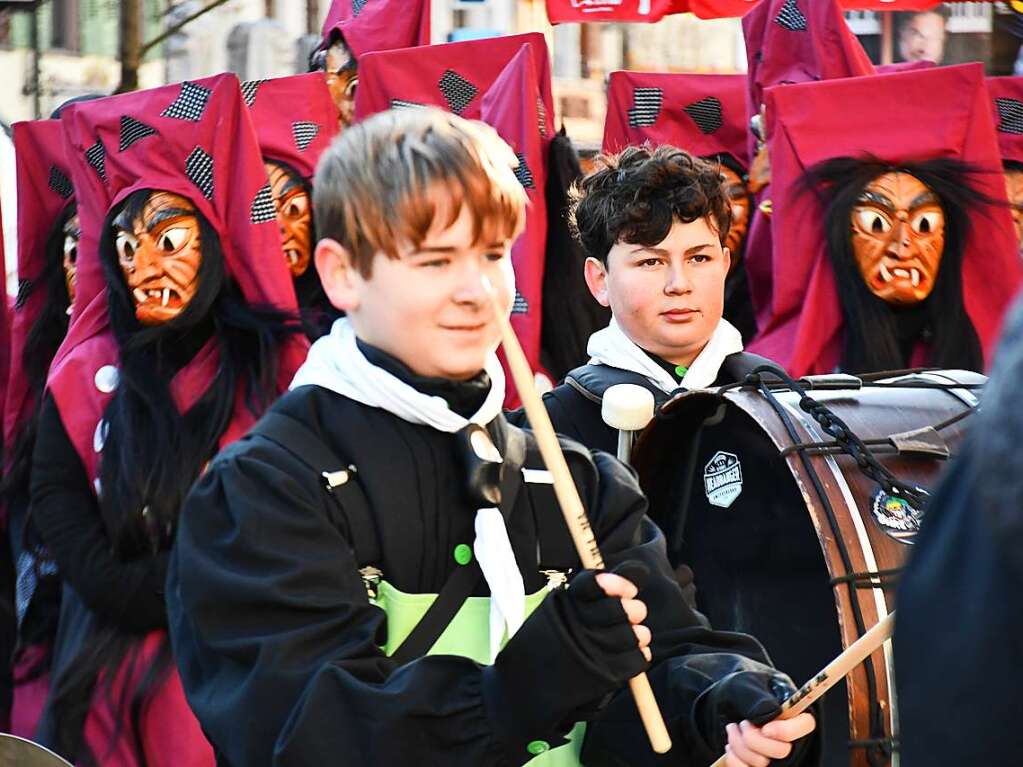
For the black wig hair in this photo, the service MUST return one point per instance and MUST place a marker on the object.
(876, 336)
(41, 343)
(153, 453)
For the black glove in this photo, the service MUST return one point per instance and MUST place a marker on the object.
(574, 650)
(754, 695)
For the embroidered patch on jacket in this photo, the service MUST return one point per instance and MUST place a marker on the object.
(791, 17)
(96, 156)
(457, 91)
(403, 104)
(133, 130)
(263, 208)
(646, 107)
(199, 169)
(249, 90)
(706, 113)
(523, 173)
(190, 103)
(722, 479)
(304, 133)
(1010, 114)
(60, 183)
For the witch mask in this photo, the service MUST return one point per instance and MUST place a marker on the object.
(738, 198)
(159, 254)
(72, 232)
(342, 79)
(1014, 188)
(898, 236)
(294, 215)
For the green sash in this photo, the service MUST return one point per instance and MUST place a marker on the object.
(468, 636)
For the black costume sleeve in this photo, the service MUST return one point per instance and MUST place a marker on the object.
(65, 512)
(271, 626)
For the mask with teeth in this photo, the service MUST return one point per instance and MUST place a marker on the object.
(72, 233)
(160, 254)
(898, 237)
(342, 79)
(294, 215)
(738, 196)
(1014, 188)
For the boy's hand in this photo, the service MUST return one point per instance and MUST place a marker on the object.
(753, 746)
(616, 586)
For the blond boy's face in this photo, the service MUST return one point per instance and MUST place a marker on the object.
(667, 298)
(430, 307)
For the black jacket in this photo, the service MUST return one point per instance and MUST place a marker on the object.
(574, 405)
(272, 627)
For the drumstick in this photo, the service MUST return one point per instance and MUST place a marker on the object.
(834, 672)
(571, 506)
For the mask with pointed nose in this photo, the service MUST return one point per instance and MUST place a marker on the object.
(294, 215)
(898, 237)
(159, 254)
(72, 233)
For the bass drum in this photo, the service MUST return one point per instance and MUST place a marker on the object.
(795, 504)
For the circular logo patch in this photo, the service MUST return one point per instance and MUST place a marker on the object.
(896, 516)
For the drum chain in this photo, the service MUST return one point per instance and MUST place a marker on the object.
(852, 445)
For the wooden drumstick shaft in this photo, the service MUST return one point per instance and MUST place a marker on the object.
(572, 507)
(834, 672)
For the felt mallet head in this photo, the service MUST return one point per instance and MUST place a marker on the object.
(627, 407)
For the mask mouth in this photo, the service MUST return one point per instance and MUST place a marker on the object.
(156, 295)
(297, 261)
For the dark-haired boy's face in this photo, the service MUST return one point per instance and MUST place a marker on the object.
(668, 298)
(160, 253)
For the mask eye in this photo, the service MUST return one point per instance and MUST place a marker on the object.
(126, 247)
(927, 223)
(71, 248)
(873, 221)
(172, 239)
(738, 212)
(352, 85)
(296, 206)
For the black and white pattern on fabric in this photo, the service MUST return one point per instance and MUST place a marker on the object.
(520, 305)
(541, 116)
(199, 169)
(458, 91)
(263, 208)
(304, 133)
(1010, 113)
(96, 156)
(357, 6)
(706, 113)
(249, 90)
(60, 183)
(131, 131)
(24, 290)
(403, 104)
(523, 173)
(646, 107)
(791, 17)
(190, 103)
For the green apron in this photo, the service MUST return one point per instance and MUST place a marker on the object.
(468, 635)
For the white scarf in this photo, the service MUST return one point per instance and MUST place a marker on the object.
(335, 362)
(613, 348)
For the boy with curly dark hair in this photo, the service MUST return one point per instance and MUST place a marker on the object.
(653, 223)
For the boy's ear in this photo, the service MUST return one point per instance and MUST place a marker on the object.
(338, 275)
(728, 259)
(595, 274)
